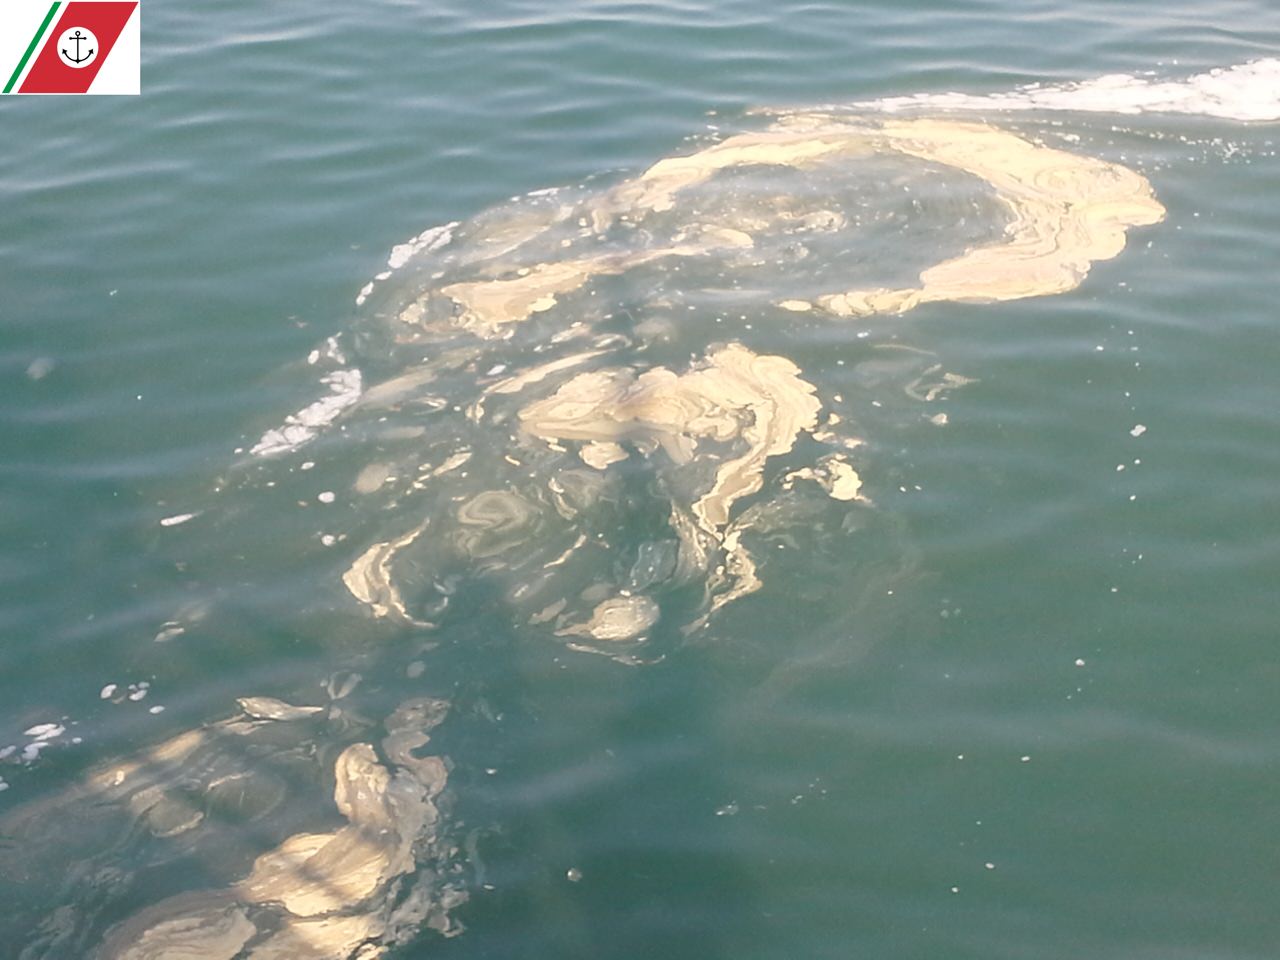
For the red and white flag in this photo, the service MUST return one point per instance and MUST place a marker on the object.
(70, 46)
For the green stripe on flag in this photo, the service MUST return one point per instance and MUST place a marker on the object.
(35, 42)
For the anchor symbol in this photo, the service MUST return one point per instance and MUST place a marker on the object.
(77, 58)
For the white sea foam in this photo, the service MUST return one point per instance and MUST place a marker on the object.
(430, 239)
(345, 387)
(1247, 91)
(46, 731)
(433, 238)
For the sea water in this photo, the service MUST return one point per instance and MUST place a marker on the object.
(281, 515)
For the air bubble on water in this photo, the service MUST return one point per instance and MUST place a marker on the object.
(40, 367)
(168, 630)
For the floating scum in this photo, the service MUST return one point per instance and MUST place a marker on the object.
(559, 438)
(1066, 211)
(532, 403)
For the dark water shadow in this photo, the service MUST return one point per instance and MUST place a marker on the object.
(591, 800)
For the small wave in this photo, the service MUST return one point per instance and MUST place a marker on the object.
(1247, 92)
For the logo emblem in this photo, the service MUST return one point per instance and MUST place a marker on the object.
(70, 46)
(78, 47)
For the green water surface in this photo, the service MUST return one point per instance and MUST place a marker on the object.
(1036, 716)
